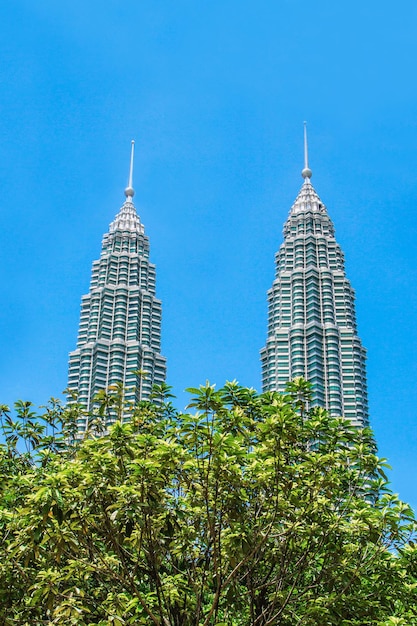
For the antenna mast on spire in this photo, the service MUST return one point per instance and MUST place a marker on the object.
(305, 146)
(306, 173)
(129, 191)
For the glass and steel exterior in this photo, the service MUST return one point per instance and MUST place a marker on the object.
(119, 338)
(312, 328)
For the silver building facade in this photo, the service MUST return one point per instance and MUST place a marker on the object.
(312, 329)
(119, 338)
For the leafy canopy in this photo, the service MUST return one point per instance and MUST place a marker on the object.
(250, 510)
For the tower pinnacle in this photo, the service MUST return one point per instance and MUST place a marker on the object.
(120, 323)
(129, 191)
(306, 173)
(312, 329)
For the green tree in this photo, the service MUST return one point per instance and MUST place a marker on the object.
(250, 510)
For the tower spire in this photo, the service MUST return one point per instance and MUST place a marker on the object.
(127, 340)
(129, 191)
(306, 173)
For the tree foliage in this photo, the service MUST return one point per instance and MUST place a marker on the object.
(249, 510)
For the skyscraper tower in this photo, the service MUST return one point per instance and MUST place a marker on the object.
(311, 312)
(119, 338)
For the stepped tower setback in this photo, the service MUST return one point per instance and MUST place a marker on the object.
(312, 328)
(119, 338)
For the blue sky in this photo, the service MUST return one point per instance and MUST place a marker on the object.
(215, 94)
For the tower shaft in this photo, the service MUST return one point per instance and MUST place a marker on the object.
(119, 338)
(312, 328)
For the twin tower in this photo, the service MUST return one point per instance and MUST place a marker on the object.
(311, 314)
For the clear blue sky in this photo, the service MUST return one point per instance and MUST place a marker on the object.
(215, 94)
